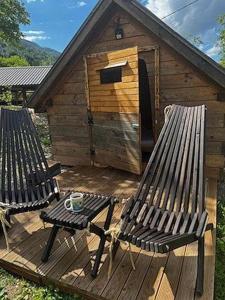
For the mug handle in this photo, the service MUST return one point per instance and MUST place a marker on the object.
(66, 206)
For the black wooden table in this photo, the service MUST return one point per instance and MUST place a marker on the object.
(71, 221)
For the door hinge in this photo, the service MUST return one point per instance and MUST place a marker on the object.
(90, 118)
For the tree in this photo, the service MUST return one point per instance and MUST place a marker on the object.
(12, 15)
(13, 61)
(221, 21)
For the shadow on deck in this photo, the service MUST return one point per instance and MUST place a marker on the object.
(156, 276)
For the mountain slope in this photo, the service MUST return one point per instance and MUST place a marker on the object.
(32, 52)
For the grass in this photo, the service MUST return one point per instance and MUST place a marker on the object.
(220, 243)
(13, 288)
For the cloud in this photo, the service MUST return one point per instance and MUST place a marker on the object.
(214, 51)
(35, 35)
(198, 19)
(35, 32)
(81, 3)
(29, 1)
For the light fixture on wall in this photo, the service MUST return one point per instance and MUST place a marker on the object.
(119, 34)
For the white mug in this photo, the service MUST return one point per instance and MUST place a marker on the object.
(75, 202)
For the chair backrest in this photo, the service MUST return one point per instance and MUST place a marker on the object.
(174, 177)
(22, 161)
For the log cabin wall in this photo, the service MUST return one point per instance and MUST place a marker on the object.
(180, 83)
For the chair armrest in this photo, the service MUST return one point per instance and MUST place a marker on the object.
(202, 224)
(55, 170)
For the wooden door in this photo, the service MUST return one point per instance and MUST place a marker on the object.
(113, 97)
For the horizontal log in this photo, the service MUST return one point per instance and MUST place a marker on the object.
(189, 94)
(126, 72)
(79, 121)
(215, 161)
(119, 104)
(182, 81)
(172, 67)
(115, 98)
(128, 68)
(107, 158)
(120, 117)
(116, 109)
(76, 76)
(73, 88)
(95, 80)
(73, 161)
(114, 54)
(70, 151)
(215, 134)
(213, 173)
(71, 99)
(102, 61)
(215, 119)
(112, 92)
(215, 147)
(115, 86)
(68, 110)
(70, 141)
(108, 133)
(69, 131)
(112, 125)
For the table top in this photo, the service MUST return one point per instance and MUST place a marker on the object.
(93, 205)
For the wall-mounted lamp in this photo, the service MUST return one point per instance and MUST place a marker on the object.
(119, 34)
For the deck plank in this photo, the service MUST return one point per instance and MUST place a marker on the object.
(156, 277)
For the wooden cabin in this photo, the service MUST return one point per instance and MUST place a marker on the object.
(106, 94)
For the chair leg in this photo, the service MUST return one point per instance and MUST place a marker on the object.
(200, 268)
(50, 243)
(101, 246)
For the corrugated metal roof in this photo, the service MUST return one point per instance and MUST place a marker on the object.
(22, 76)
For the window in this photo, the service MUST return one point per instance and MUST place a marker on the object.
(111, 75)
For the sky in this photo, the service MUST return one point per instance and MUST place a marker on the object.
(54, 22)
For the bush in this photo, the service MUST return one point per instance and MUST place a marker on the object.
(220, 243)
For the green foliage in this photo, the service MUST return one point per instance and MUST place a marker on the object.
(220, 244)
(32, 53)
(221, 21)
(6, 97)
(12, 14)
(41, 123)
(195, 40)
(13, 61)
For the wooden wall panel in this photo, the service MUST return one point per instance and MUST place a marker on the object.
(116, 141)
(180, 83)
(68, 121)
(98, 93)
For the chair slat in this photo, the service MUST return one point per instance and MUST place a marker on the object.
(25, 181)
(168, 209)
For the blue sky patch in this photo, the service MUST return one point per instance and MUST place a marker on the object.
(54, 23)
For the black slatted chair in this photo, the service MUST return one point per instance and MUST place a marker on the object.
(168, 210)
(26, 181)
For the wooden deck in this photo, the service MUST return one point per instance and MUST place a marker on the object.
(156, 276)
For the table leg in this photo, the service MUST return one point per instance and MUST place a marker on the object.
(102, 240)
(50, 243)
